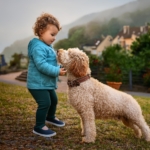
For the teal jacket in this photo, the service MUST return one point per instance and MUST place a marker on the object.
(43, 69)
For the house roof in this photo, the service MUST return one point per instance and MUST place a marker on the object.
(98, 42)
(95, 43)
(128, 31)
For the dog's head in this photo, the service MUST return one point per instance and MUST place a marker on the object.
(74, 60)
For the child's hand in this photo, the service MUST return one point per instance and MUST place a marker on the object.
(62, 71)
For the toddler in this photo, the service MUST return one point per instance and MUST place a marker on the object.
(43, 72)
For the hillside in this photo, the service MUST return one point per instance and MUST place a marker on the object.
(94, 30)
(105, 15)
(19, 46)
(126, 14)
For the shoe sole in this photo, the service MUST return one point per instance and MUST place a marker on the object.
(55, 124)
(44, 135)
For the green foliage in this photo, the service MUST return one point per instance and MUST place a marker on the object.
(111, 59)
(73, 30)
(112, 27)
(113, 74)
(120, 61)
(111, 55)
(141, 50)
(121, 58)
(15, 62)
(76, 39)
(94, 60)
(142, 44)
(132, 62)
(92, 31)
(62, 44)
(146, 78)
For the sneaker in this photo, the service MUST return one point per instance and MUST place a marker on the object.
(45, 133)
(56, 122)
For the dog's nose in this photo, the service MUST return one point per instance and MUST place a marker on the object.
(58, 50)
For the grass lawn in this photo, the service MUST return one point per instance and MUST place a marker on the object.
(17, 118)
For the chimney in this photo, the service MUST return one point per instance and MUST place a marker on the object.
(141, 29)
(126, 29)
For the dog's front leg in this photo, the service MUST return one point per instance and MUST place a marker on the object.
(82, 132)
(88, 126)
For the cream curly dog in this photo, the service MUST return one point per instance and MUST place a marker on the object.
(94, 100)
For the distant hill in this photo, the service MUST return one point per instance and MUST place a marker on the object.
(19, 46)
(123, 13)
(105, 15)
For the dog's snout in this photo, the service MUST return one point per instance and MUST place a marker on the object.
(57, 51)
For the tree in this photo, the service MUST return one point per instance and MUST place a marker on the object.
(15, 62)
(111, 55)
(120, 62)
(142, 44)
(62, 44)
(122, 59)
(141, 48)
(73, 30)
(76, 39)
(94, 60)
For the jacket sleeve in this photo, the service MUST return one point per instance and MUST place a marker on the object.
(39, 57)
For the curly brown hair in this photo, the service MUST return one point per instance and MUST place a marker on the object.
(42, 22)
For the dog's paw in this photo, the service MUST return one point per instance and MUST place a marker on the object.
(147, 139)
(138, 134)
(82, 133)
(88, 140)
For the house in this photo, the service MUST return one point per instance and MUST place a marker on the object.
(99, 46)
(128, 35)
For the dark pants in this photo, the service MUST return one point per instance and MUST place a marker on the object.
(47, 102)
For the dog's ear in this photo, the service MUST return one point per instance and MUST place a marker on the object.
(78, 67)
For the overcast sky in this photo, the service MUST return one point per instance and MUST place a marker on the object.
(18, 16)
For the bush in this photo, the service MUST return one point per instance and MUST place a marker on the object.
(146, 78)
(94, 60)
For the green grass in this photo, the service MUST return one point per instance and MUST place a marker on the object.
(17, 118)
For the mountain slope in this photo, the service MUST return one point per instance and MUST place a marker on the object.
(105, 15)
(121, 12)
(19, 46)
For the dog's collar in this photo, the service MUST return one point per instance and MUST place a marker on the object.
(78, 81)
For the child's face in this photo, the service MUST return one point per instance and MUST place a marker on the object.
(49, 35)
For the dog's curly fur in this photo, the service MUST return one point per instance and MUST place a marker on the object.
(95, 100)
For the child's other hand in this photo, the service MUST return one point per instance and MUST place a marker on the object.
(62, 71)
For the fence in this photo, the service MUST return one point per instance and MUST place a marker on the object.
(131, 81)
